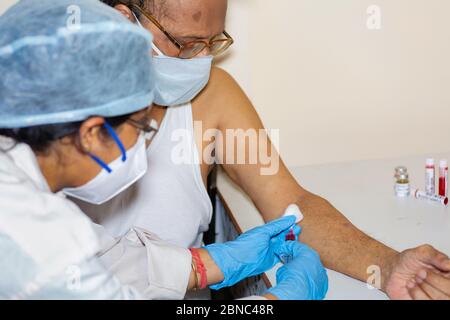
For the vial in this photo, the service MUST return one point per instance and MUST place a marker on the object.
(430, 177)
(433, 198)
(402, 187)
(443, 178)
(292, 210)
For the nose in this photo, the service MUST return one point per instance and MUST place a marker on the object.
(205, 52)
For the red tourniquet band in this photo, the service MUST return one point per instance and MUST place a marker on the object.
(200, 268)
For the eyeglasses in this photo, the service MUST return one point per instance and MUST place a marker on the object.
(191, 49)
(143, 124)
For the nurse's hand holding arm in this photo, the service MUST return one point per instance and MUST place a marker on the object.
(252, 253)
(303, 278)
(260, 249)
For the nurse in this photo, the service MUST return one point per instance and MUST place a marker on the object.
(64, 125)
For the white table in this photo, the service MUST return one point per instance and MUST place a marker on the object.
(363, 191)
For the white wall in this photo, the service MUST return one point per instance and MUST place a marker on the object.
(337, 90)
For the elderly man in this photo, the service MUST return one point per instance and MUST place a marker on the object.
(187, 33)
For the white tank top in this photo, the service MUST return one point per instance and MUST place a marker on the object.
(171, 200)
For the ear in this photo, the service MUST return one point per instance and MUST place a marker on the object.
(126, 12)
(90, 133)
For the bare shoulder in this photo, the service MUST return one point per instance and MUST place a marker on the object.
(219, 75)
(221, 84)
(222, 96)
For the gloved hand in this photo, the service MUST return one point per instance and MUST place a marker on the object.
(303, 278)
(252, 253)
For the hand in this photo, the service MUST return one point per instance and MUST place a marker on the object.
(303, 278)
(252, 253)
(420, 274)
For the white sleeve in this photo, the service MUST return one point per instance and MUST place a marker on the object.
(157, 270)
(22, 278)
(87, 281)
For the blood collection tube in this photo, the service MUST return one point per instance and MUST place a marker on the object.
(293, 210)
(433, 198)
(430, 177)
(443, 178)
(291, 235)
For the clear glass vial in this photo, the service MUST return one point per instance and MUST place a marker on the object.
(402, 186)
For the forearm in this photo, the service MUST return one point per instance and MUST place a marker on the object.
(342, 246)
(213, 273)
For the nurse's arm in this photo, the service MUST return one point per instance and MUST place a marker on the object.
(341, 245)
(161, 270)
(213, 273)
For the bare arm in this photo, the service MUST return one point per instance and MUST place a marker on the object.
(341, 245)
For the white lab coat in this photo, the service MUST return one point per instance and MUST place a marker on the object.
(51, 250)
(157, 269)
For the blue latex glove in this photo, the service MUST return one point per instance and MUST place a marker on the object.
(252, 253)
(303, 278)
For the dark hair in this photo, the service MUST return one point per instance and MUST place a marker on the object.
(40, 138)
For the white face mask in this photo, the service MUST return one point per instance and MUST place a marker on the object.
(178, 81)
(106, 185)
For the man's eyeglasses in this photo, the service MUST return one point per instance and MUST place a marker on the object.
(191, 49)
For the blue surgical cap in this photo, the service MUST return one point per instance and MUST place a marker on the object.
(66, 60)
